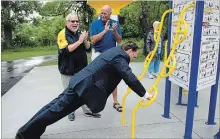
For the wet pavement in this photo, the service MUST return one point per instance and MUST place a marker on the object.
(13, 71)
(43, 84)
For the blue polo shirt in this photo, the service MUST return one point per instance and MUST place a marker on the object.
(108, 40)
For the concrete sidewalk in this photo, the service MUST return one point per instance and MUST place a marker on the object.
(42, 84)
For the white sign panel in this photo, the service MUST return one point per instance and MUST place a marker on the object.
(181, 74)
(209, 45)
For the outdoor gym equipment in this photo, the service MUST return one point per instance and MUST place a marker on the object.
(157, 33)
(170, 63)
(198, 63)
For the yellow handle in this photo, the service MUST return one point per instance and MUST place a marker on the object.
(155, 90)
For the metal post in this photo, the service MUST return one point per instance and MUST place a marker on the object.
(196, 105)
(194, 69)
(213, 96)
(168, 83)
(180, 96)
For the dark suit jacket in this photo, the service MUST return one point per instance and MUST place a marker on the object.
(98, 80)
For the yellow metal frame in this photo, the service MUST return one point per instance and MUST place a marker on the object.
(165, 51)
(157, 33)
(170, 60)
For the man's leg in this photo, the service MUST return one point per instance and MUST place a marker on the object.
(86, 110)
(151, 69)
(47, 106)
(116, 105)
(65, 82)
(156, 66)
(69, 102)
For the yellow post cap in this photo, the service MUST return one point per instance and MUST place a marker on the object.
(116, 5)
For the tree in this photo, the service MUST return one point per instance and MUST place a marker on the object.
(140, 15)
(57, 8)
(14, 13)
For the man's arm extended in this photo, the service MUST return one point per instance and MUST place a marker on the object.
(126, 74)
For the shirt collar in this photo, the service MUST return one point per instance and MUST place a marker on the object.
(127, 57)
(70, 32)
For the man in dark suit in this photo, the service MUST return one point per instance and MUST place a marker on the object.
(91, 86)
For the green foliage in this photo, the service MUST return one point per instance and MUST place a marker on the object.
(140, 15)
(43, 30)
(56, 8)
(131, 28)
(45, 33)
(14, 13)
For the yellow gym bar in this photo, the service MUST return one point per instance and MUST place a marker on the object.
(166, 64)
(157, 32)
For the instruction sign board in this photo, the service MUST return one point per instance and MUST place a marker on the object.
(209, 47)
(183, 54)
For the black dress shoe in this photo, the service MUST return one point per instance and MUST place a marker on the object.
(20, 136)
(95, 115)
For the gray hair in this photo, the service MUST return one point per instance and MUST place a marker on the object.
(70, 15)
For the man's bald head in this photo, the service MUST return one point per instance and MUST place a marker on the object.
(107, 8)
(106, 13)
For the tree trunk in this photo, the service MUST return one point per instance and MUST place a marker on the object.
(8, 35)
(143, 20)
(158, 12)
(7, 25)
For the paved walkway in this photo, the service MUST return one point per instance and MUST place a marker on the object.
(42, 84)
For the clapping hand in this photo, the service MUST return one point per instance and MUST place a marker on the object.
(114, 26)
(107, 26)
(83, 36)
(86, 36)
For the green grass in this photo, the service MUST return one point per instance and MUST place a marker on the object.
(140, 43)
(49, 63)
(21, 53)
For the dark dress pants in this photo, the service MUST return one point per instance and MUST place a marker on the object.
(64, 104)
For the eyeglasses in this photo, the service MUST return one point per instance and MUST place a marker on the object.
(73, 21)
